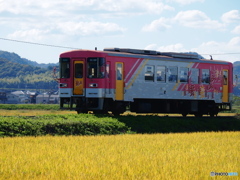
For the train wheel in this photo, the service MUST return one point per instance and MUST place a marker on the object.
(100, 112)
(198, 115)
(211, 114)
(82, 111)
(116, 113)
(184, 114)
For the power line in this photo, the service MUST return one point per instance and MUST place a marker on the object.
(222, 53)
(49, 45)
(26, 42)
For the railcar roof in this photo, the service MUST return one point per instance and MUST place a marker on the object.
(150, 54)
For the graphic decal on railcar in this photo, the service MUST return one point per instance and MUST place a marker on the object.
(133, 70)
(204, 82)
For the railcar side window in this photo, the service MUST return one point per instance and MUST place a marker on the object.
(64, 67)
(205, 76)
(172, 74)
(183, 74)
(194, 76)
(161, 73)
(149, 73)
(96, 67)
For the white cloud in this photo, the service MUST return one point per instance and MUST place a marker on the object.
(151, 47)
(191, 18)
(29, 35)
(61, 7)
(172, 48)
(157, 25)
(231, 16)
(228, 51)
(132, 6)
(184, 2)
(236, 30)
(196, 19)
(235, 42)
(89, 28)
(73, 17)
(39, 28)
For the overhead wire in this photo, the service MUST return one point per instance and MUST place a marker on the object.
(40, 44)
(56, 46)
(222, 53)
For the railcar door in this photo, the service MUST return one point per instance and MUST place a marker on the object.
(119, 81)
(78, 87)
(225, 86)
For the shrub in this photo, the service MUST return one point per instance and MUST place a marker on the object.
(85, 124)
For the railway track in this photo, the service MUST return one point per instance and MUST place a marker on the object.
(178, 115)
(224, 115)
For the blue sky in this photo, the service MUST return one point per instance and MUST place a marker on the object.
(209, 27)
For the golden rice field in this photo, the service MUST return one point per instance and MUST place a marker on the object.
(25, 112)
(121, 157)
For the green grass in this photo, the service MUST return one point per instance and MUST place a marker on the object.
(85, 124)
(30, 106)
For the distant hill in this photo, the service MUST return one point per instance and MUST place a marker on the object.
(13, 57)
(9, 69)
(20, 73)
(236, 68)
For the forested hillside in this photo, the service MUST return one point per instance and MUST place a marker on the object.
(13, 57)
(19, 73)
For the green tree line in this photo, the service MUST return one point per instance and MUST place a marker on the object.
(15, 75)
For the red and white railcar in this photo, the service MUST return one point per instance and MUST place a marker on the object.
(145, 81)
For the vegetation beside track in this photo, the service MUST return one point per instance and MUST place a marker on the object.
(30, 106)
(156, 124)
(27, 121)
(90, 124)
(86, 124)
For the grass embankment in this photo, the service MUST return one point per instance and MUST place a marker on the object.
(30, 106)
(156, 156)
(86, 124)
(28, 120)
(90, 124)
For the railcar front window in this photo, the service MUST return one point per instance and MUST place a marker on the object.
(96, 67)
(64, 68)
(78, 70)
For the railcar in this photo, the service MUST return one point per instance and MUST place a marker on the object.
(144, 81)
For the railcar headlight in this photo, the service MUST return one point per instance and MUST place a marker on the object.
(63, 85)
(93, 85)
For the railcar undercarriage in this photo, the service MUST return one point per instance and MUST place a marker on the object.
(184, 107)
